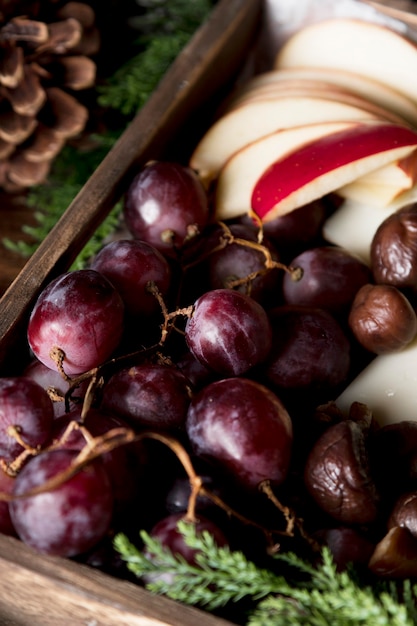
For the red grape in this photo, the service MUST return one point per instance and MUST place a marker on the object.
(25, 406)
(122, 463)
(149, 395)
(310, 354)
(130, 265)
(81, 313)
(52, 381)
(165, 204)
(242, 428)
(228, 332)
(69, 519)
(330, 279)
(166, 531)
(237, 261)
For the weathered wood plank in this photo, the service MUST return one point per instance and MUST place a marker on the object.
(48, 591)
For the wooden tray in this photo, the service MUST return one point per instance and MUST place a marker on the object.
(42, 590)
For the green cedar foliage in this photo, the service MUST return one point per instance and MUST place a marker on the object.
(325, 597)
(164, 28)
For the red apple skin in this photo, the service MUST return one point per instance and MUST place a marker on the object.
(318, 158)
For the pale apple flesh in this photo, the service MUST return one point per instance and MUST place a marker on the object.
(365, 86)
(249, 123)
(325, 93)
(326, 164)
(384, 185)
(353, 225)
(387, 386)
(289, 87)
(238, 177)
(354, 45)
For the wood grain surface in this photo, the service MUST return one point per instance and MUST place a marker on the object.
(14, 214)
(48, 591)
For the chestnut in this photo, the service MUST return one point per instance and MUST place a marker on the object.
(404, 513)
(337, 474)
(394, 249)
(382, 319)
(395, 556)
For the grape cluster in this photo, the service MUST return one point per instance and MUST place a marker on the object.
(191, 371)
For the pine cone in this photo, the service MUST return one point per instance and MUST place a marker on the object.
(45, 50)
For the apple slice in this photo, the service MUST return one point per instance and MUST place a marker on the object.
(288, 87)
(353, 45)
(364, 86)
(382, 186)
(327, 164)
(240, 173)
(388, 386)
(328, 92)
(254, 120)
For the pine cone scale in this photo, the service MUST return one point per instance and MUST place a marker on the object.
(29, 96)
(22, 29)
(11, 65)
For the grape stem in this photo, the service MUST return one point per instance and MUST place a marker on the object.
(95, 447)
(293, 522)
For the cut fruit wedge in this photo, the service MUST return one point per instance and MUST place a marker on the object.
(250, 122)
(365, 86)
(382, 186)
(290, 87)
(353, 45)
(325, 93)
(326, 164)
(388, 386)
(238, 177)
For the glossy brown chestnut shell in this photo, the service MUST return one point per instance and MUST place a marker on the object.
(337, 474)
(382, 318)
(394, 250)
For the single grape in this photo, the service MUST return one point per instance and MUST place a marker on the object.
(177, 498)
(298, 229)
(165, 204)
(239, 260)
(167, 532)
(196, 373)
(243, 429)
(69, 519)
(228, 332)
(130, 265)
(56, 385)
(330, 278)
(310, 354)
(149, 395)
(123, 464)
(25, 407)
(81, 313)
(348, 546)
